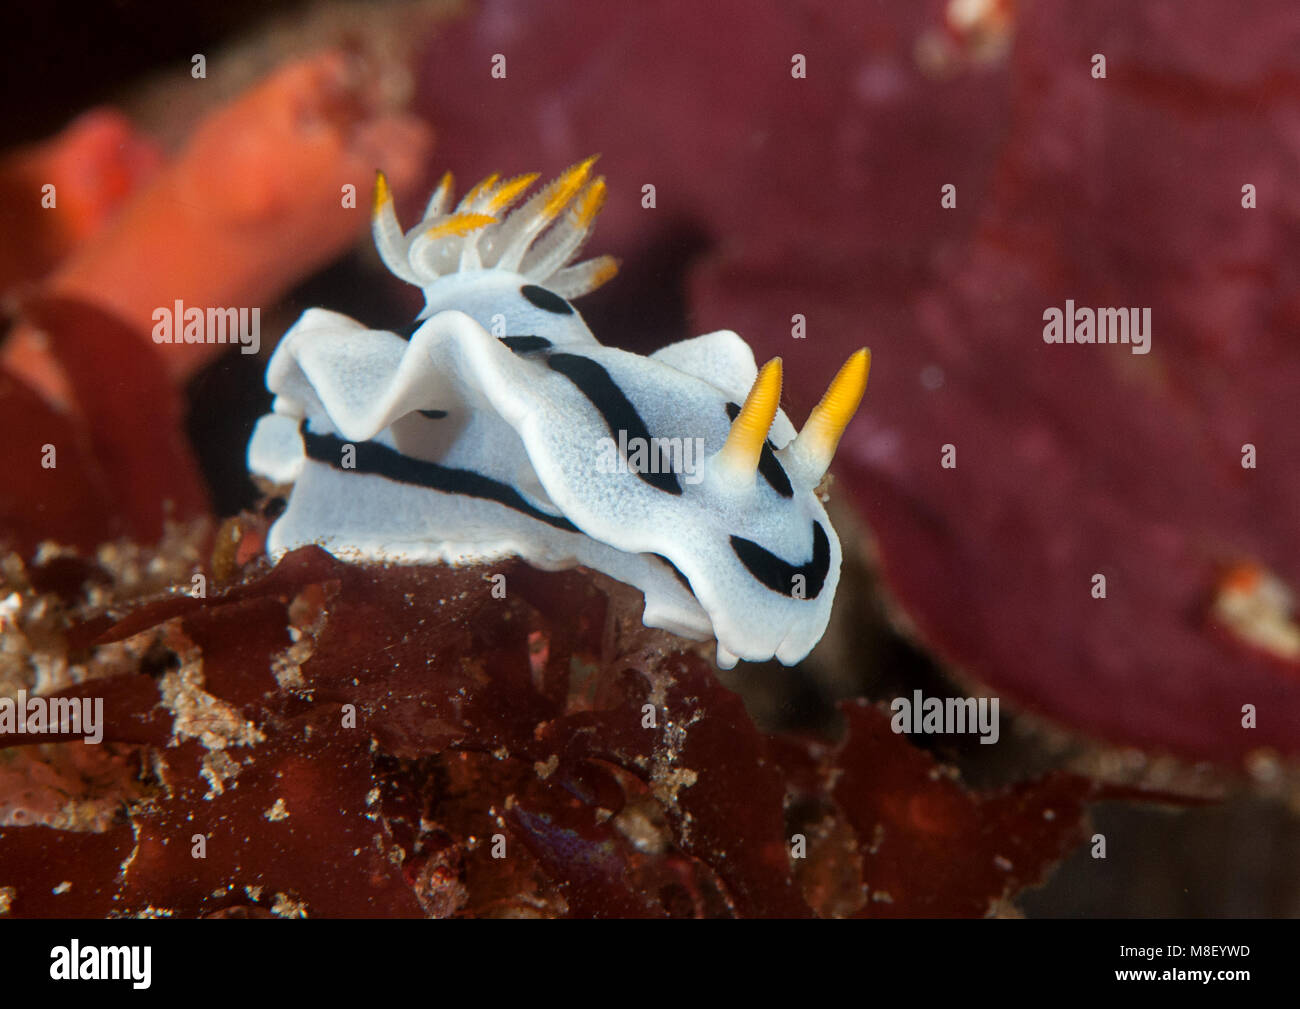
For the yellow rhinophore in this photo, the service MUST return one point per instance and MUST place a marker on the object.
(737, 460)
(811, 452)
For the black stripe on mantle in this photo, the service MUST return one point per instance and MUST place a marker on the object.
(593, 381)
(380, 460)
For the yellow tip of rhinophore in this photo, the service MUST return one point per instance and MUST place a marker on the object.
(459, 224)
(821, 433)
(383, 194)
(739, 456)
(445, 183)
(590, 202)
(562, 190)
(480, 189)
(605, 270)
(509, 191)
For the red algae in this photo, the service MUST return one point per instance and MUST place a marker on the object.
(337, 739)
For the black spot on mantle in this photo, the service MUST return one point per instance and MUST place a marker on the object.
(547, 301)
(526, 344)
(778, 575)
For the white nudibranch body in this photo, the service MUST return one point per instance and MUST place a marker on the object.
(502, 427)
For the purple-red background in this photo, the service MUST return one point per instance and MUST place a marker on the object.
(821, 197)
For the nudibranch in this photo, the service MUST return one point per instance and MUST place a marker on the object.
(499, 426)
